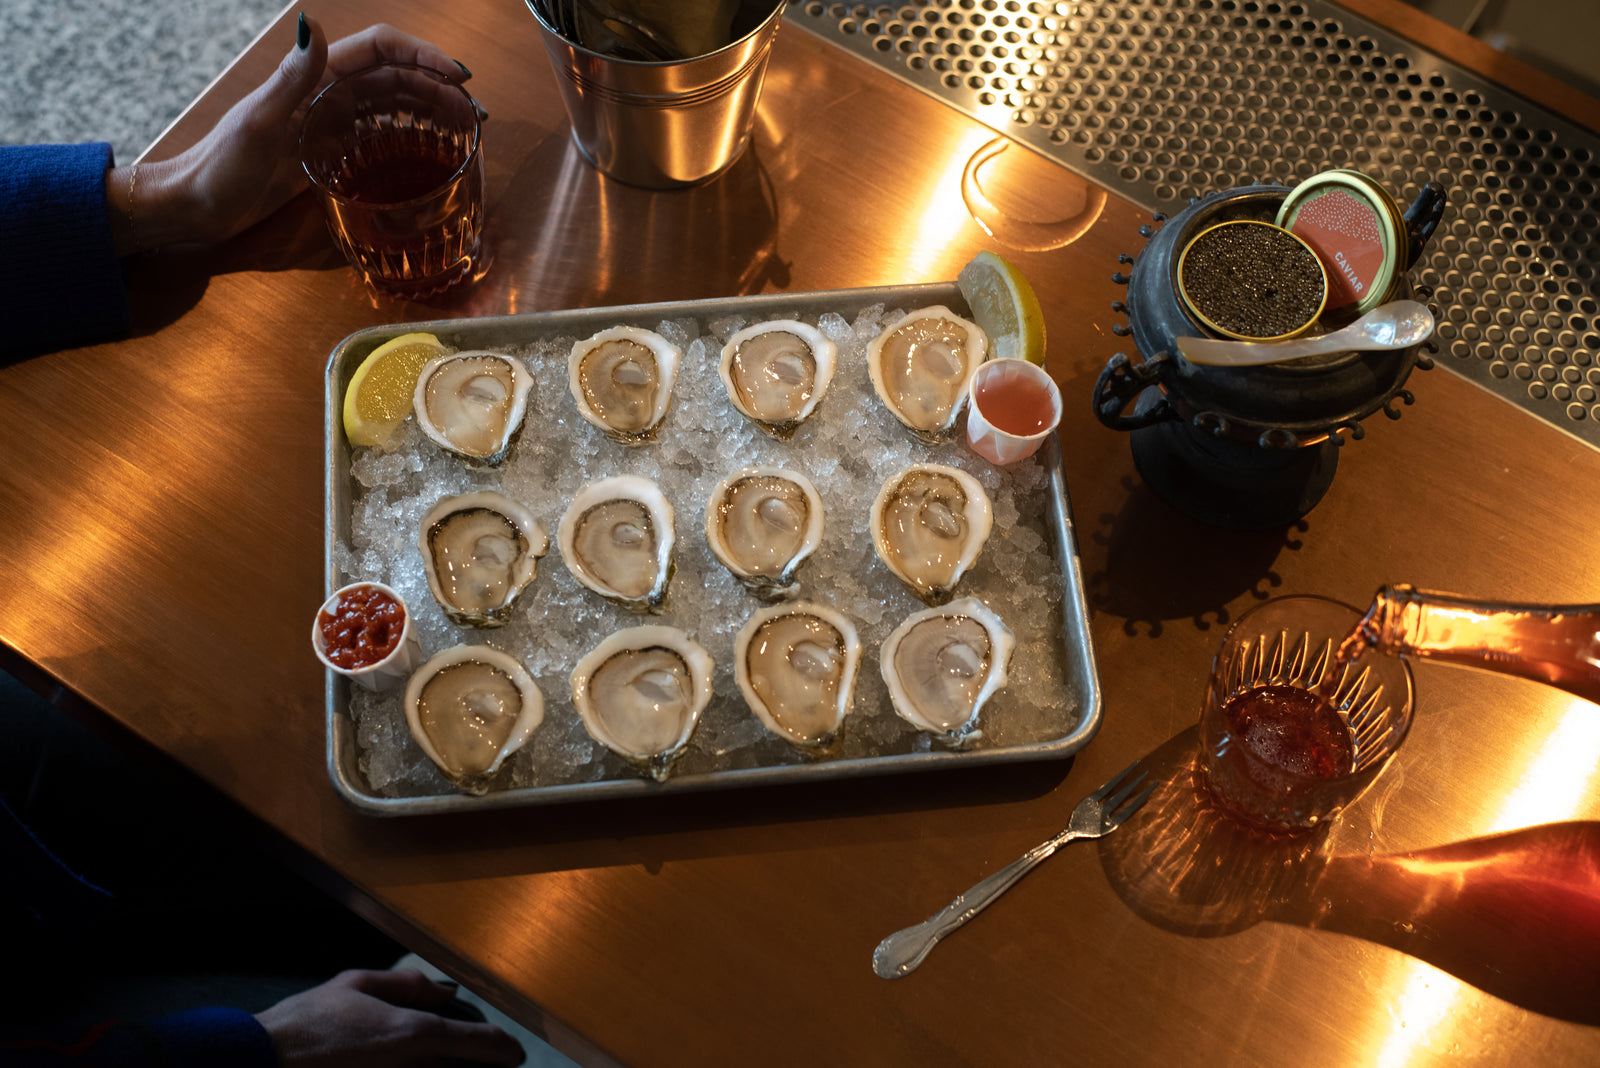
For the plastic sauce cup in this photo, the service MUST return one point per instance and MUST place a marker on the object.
(1012, 406)
(394, 668)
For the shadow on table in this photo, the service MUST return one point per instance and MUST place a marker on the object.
(1514, 914)
(1149, 577)
(653, 831)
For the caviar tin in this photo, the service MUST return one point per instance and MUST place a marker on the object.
(1357, 231)
(1248, 261)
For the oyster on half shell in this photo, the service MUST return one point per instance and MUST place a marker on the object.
(621, 379)
(776, 372)
(470, 707)
(616, 538)
(480, 551)
(763, 523)
(921, 366)
(796, 666)
(929, 523)
(640, 693)
(942, 664)
(473, 403)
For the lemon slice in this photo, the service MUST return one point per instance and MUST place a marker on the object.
(1003, 304)
(379, 395)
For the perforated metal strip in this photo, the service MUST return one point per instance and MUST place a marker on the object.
(1162, 100)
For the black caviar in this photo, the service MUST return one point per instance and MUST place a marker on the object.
(1253, 279)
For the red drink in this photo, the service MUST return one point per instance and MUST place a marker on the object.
(1285, 741)
(1292, 731)
(397, 166)
(1274, 748)
(1015, 405)
(395, 152)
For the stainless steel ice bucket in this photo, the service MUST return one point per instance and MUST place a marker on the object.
(663, 125)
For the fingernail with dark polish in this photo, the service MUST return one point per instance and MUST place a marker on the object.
(302, 34)
(448, 983)
(463, 67)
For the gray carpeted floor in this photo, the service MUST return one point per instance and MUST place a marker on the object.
(114, 70)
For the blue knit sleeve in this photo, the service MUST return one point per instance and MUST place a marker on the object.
(205, 1038)
(60, 284)
(200, 1038)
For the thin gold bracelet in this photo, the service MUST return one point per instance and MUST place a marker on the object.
(133, 229)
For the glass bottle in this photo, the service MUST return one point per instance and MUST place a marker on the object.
(1555, 644)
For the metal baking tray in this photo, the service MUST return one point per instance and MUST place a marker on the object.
(1079, 703)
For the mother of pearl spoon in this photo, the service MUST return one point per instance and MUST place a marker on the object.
(1396, 325)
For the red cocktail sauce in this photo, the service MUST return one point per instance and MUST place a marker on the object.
(363, 628)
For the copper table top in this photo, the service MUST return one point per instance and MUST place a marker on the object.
(162, 556)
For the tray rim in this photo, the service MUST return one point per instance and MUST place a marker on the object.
(341, 747)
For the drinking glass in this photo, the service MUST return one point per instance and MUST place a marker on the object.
(395, 152)
(1289, 732)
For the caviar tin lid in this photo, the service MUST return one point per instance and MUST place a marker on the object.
(1252, 281)
(1356, 229)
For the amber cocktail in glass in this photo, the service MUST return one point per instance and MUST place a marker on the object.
(394, 150)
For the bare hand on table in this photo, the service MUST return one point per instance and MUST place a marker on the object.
(382, 1020)
(248, 165)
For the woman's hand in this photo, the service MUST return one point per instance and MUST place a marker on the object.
(248, 165)
(364, 1019)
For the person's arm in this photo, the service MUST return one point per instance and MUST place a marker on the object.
(67, 215)
(60, 284)
(390, 1019)
(248, 165)
(199, 1038)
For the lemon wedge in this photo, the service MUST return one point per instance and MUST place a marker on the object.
(1003, 304)
(379, 395)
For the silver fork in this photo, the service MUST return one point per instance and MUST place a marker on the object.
(1095, 816)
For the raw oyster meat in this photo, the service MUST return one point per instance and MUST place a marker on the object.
(621, 380)
(929, 523)
(473, 403)
(921, 367)
(776, 372)
(616, 538)
(796, 666)
(942, 664)
(763, 523)
(470, 707)
(480, 551)
(640, 693)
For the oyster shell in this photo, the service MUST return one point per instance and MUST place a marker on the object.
(796, 666)
(762, 523)
(921, 366)
(473, 403)
(480, 551)
(776, 372)
(942, 664)
(929, 523)
(621, 380)
(640, 693)
(470, 707)
(616, 538)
